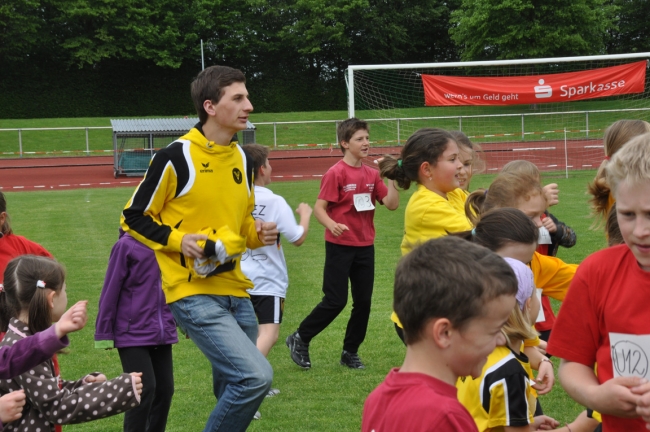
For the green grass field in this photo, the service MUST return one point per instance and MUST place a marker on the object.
(386, 132)
(80, 226)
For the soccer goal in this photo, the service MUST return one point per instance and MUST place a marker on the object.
(552, 112)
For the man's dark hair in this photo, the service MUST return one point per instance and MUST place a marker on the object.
(448, 278)
(349, 127)
(209, 85)
(258, 154)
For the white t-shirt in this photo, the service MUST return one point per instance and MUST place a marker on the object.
(266, 266)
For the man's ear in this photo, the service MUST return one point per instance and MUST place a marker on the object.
(209, 108)
(440, 331)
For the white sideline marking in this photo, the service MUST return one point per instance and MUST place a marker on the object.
(595, 146)
(19, 187)
(533, 148)
(39, 186)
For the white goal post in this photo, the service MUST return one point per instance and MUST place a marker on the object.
(558, 135)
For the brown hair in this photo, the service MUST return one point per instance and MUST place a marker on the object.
(507, 190)
(522, 167)
(478, 165)
(617, 134)
(423, 291)
(631, 163)
(22, 293)
(501, 226)
(614, 236)
(209, 85)
(259, 154)
(6, 226)
(425, 145)
(349, 127)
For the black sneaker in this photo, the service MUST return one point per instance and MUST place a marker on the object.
(351, 360)
(299, 350)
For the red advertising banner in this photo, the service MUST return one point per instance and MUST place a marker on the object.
(562, 87)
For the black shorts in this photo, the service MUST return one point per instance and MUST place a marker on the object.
(269, 309)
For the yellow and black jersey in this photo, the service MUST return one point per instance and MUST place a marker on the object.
(502, 395)
(190, 185)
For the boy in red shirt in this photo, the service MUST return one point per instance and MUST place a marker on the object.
(346, 208)
(449, 332)
(604, 317)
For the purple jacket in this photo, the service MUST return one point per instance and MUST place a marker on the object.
(132, 308)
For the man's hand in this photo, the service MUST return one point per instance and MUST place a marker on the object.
(190, 248)
(267, 232)
(11, 406)
(548, 223)
(72, 320)
(338, 228)
(551, 192)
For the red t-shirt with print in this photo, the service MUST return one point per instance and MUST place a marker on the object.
(340, 184)
(609, 293)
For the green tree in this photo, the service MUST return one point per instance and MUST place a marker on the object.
(632, 33)
(511, 29)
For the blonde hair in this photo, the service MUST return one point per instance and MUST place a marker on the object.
(522, 167)
(518, 326)
(507, 190)
(631, 163)
(616, 135)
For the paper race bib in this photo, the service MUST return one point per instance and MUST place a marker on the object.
(630, 354)
(544, 236)
(363, 202)
(540, 315)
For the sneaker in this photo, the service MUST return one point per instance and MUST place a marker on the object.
(257, 416)
(351, 360)
(299, 350)
(272, 392)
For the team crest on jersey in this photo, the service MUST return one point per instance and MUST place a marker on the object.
(237, 175)
(350, 187)
(205, 167)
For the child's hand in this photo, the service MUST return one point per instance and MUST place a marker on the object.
(616, 397)
(551, 192)
(304, 210)
(549, 224)
(338, 229)
(11, 406)
(137, 380)
(267, 232)
(72, 320)
(543, 422)
(545, 377)
(99, 378)
(643, 404)
(542, 347)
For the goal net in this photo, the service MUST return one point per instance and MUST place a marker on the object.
(552, 112)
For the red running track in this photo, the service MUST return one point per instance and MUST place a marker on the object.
(288, 165)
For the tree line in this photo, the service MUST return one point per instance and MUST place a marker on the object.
(294, 52)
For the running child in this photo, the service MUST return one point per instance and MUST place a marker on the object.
(134, 318)
(555, 232)
(34, 296)
(501, 398)
(346, 208)
(430, 159)
(449, 333)
(607, 303)
(266, 266)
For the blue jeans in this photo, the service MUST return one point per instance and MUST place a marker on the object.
(224, 328)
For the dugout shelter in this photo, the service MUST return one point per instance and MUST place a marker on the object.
(135, 141)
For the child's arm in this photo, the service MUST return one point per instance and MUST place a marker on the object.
(304, 210)
(320, 211)
(545, 375)
(391, 200)
(563, 234)
(613, 397)
(31, 351)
